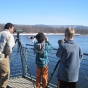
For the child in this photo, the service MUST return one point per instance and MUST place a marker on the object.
(70, 54)
(41, 49)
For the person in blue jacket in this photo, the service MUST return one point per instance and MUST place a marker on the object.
(41, 48)
(70, 54)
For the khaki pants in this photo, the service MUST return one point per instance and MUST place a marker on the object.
(4, 72)
(41, 73)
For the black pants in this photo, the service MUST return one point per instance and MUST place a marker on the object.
(64, 84)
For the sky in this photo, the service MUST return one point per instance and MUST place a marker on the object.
(47, 12)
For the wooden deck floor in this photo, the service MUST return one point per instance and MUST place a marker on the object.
(21, 83)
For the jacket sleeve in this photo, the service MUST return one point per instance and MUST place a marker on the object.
(60, 51)
(48, 46)
(10, 44)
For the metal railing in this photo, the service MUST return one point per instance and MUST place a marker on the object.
(22, 63)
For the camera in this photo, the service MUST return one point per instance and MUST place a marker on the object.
(18, 31)
(31, 37)
(60, 41)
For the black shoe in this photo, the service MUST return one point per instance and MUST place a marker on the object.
(8, 86)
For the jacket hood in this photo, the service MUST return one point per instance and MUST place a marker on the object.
(39, 47)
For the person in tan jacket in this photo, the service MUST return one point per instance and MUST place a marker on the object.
(6, 44)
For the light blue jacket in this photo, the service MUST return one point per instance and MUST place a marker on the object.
(71, 55)
(41, 50)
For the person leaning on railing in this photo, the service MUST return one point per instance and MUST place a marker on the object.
(70, 54)
(41, 48)
(6, 44)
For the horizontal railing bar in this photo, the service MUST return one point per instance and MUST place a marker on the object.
(54, 49)
(85, 59)
(84, 69)
(84, 64)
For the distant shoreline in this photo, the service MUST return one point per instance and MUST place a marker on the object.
(44, 33)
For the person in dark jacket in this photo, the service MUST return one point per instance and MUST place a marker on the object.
(41, 49)
(70, 54)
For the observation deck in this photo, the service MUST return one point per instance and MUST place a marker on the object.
(23, 68)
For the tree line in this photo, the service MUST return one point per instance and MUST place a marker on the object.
(44, 29)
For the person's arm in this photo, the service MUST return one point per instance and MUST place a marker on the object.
(10, 44)
(48, 45)
(60, 42)
(60, 51)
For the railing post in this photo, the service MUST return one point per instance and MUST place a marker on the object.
(26, 55)
(22, 61)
